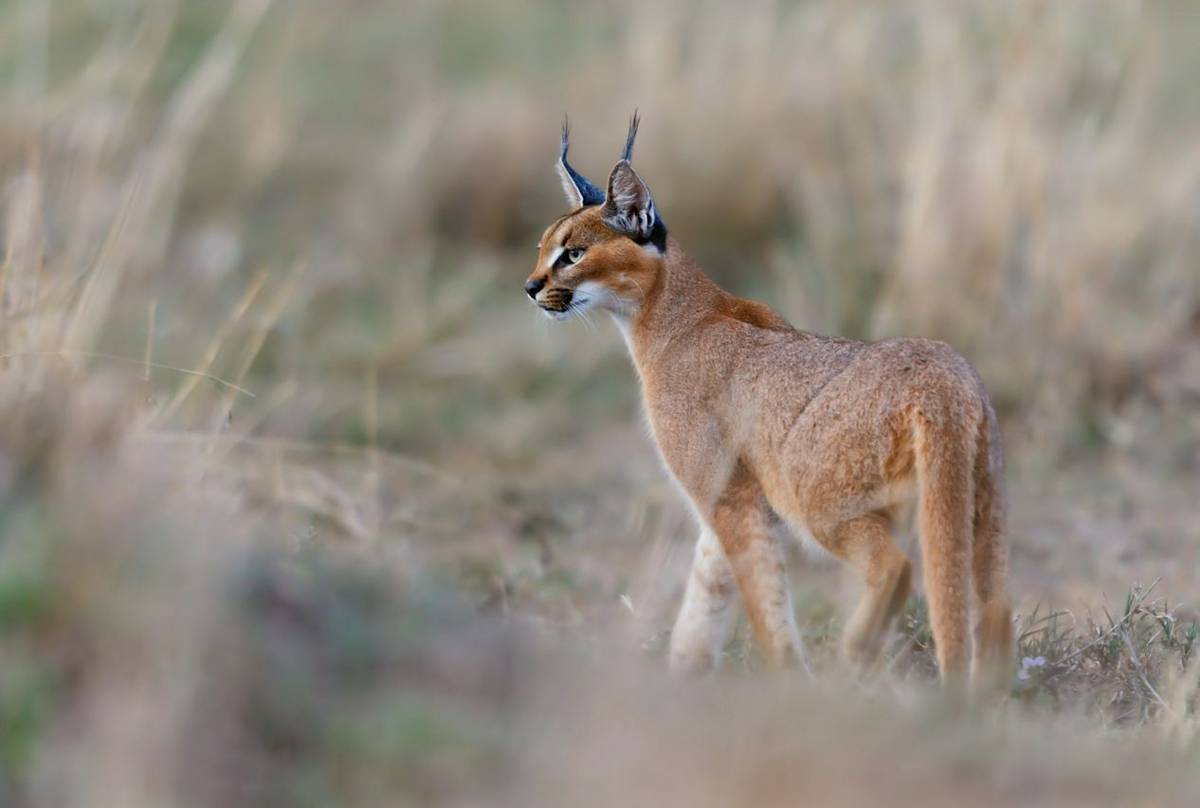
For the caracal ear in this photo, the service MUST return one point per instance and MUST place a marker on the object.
(579, 190)
(629, 207)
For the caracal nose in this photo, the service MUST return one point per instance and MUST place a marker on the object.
(532, 287)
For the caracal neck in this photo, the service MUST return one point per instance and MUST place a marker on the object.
(680, 298)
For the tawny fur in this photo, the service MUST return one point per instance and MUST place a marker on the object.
(759, 421)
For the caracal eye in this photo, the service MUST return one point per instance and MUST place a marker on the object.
(575, 255)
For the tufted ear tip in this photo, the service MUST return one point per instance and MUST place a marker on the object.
(627, 153)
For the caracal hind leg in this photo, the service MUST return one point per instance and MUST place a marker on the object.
(866, 543)
(741, 522)
(945, 524)
(705, 618)
(995, 648)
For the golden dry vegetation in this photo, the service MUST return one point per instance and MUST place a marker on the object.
(301, 504)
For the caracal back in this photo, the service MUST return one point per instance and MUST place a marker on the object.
(763, 425)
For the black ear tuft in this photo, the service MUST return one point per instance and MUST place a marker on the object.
(627, 155)
(580, 192)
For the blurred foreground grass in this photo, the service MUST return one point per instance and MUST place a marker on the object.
(300, 505)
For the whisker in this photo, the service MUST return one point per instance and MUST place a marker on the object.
(577, 310)
(544, 342)
(641, 291)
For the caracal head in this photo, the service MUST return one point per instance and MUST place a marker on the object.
(607, 252)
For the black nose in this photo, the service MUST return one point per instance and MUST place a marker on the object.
(533, 287)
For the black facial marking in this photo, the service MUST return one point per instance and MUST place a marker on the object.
(658, 235)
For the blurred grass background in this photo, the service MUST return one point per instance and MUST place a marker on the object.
(300, 503)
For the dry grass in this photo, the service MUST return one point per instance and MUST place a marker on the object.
(299, 504)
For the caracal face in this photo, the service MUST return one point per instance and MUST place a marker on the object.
(606, 253)
(583, 264)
